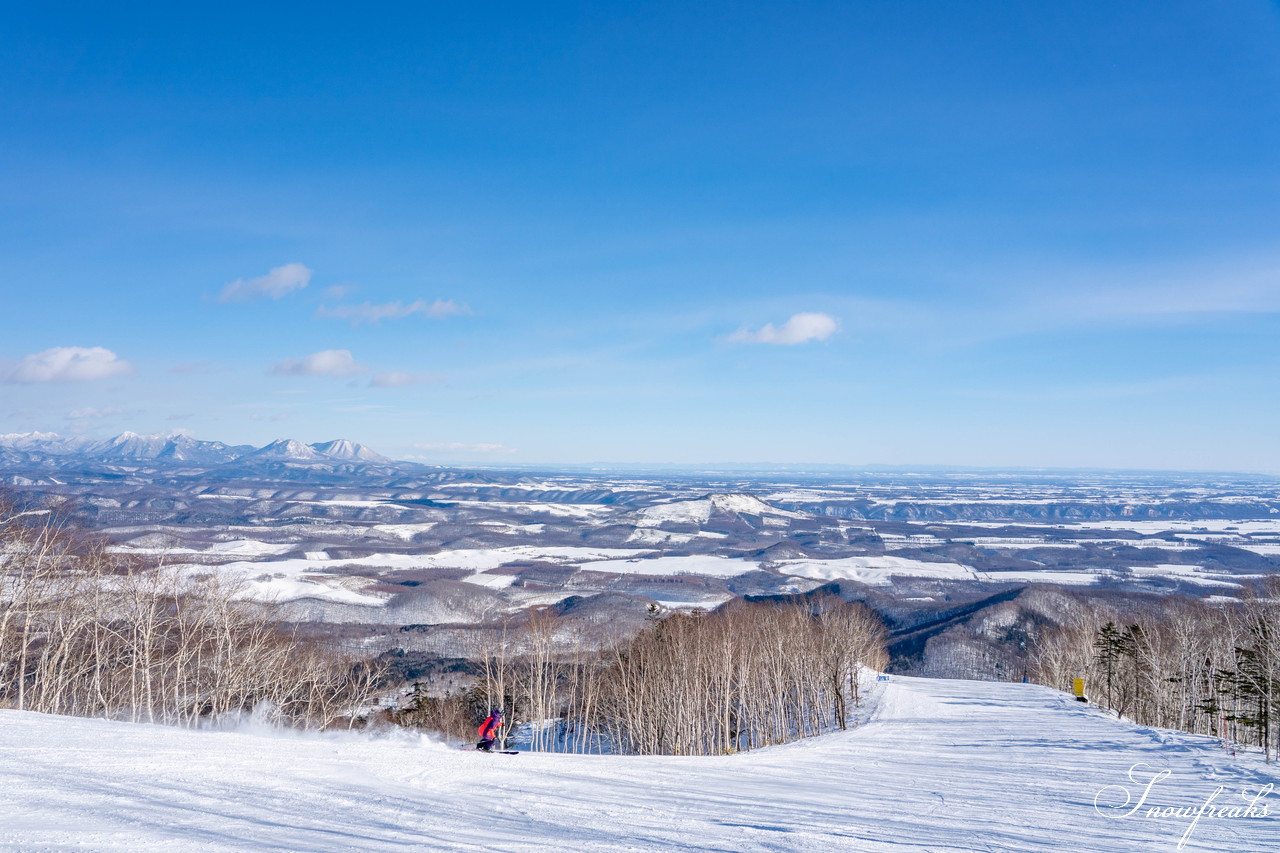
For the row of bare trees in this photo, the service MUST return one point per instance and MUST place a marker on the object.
(744, 676)
(87, 632)
(1208, 668)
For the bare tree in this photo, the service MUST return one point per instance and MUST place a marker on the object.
(1179, 663)
(85, 631)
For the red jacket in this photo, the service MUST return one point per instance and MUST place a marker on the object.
(489, 728)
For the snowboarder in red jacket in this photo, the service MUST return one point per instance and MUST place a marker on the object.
(489, 730)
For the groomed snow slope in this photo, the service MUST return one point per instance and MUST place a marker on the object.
(942, 766)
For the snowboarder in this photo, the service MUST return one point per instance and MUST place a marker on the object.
(489, 730)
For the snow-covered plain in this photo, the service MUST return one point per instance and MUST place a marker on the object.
(1192, 574)
(351, 551)
(1193, 528)
(874, 570)
(1264, 548)
(305, 577)
(1056, 576)
(941, 766)
(698, 564)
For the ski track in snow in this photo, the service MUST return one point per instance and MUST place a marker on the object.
(941, 766)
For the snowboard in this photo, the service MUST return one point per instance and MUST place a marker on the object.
(491, 752)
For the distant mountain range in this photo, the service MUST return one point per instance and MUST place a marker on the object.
(177, 449)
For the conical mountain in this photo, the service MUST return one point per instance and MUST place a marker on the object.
(286, 450)
(348, 451)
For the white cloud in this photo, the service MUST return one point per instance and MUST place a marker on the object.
(329, 362)
(368, 312)
(401, 379)
(279, 282)
(65, 364)
(463, 447)
(90, 413)
(801, 328)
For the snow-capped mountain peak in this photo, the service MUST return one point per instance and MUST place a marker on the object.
(45, 442)
(131, 448)
(14, 438)
(287, 449)
(347, 450)
(184, 448)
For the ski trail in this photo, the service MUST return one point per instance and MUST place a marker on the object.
(939, 766)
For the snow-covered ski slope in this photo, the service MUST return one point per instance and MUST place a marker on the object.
(941, 766)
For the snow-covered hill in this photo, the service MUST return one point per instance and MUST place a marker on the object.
(701, 510)
(942, 766)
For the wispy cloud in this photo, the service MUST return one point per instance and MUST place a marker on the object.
(1187, 293)
(192, 367)
(1161, 387)
(1023, 302)
(329, 362)
(65, 364)
(402, 379)
(90, 413)
(799, 329)
(368, 312)
(456, 447)
(279, 282)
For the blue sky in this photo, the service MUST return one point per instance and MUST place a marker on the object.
(998, 234)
